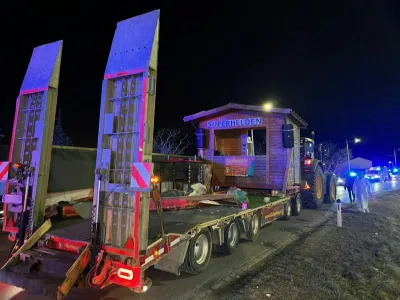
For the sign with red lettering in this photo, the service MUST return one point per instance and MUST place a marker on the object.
(239, 166)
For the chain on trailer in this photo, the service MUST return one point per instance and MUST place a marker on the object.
(120, 213)
(27, 170)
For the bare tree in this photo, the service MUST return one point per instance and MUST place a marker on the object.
(170, 141)
(333, 156)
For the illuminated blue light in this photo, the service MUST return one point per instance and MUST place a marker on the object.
(353, 174)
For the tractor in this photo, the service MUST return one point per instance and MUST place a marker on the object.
(318, 185)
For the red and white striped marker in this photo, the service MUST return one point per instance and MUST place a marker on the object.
(140, 176)
(4, 168)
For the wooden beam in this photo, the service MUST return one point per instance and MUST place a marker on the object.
(74, 273)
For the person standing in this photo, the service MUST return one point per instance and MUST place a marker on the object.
(349, 186)
(363, 191)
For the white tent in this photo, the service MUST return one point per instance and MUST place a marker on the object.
(357, 163)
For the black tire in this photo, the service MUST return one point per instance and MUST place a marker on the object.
(330, 195)
(254, 227)
(192, 263)
(316, 194)
(296, 204)
(231, 242)
(287, 213)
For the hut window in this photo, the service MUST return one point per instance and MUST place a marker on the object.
(259, 142)
(239, 142)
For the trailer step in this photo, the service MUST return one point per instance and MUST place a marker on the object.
(41, 271)
(52, 261)
(39, 283)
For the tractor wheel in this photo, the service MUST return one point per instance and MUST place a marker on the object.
(316, 197)
(330, 195)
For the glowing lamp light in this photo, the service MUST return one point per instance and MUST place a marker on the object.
(395, 170)
(154, 179)
(378, 168)
(357, 140)
(308, 162)
(17, 167)
(353, 174)
(267, 106)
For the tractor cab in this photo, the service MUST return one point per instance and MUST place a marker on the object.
(317, 184)
(307, 148)
(310, 153)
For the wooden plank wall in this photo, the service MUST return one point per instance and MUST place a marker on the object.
(294, 171)
(277, 154)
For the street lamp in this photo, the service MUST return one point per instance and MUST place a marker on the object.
(356, 140)
(267, 106)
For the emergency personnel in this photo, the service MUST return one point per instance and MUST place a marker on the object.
(363, 191)
(349, 186)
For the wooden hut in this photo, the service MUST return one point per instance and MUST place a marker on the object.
(227, 138)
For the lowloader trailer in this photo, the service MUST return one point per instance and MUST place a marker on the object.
(123, 238)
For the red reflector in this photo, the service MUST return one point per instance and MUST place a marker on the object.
(125, 274)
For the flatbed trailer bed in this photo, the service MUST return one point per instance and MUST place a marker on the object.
(174, 221)
(181, 227)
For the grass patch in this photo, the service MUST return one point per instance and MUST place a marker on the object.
(256, 201)
(360, 261)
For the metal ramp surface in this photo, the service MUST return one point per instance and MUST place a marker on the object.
(33, 132)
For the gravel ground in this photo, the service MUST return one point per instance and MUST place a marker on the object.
(361, 260)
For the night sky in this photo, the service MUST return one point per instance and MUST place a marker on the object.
(337, 65)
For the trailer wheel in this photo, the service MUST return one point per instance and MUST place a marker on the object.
(296, 204)
(287, 210)
(254, 228)
(231, 238)
(198, 253)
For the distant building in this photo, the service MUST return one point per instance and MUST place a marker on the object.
(356, 164)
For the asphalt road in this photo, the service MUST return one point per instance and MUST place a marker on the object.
(221, 269)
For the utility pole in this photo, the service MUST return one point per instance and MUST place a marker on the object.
(355, 141)
(395, 156)
(348, 154)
